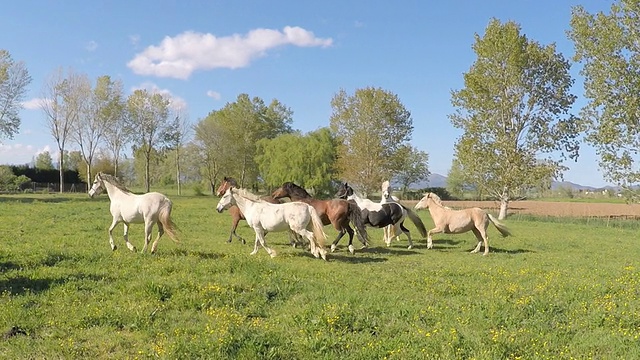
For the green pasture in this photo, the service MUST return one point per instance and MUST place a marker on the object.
(561, 290)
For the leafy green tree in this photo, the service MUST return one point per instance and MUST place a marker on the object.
(238, 127)
(44, 161)
(9, 181)
(14, 79)
(174, 136)
(456, 181)
(148, 114)
(608, 48)
(514, 111)
(118, 130)
(372, 127)
(415, 168)
(307, 160)
(73, 161)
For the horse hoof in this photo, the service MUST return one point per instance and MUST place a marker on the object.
(273, 254)
(114, 248)
(333, 248)
(324, 255)
(409, 247)
(253, 253)
(351, 249)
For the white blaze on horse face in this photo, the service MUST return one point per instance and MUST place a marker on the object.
(95, 189)
(225, 201)
(423, 203)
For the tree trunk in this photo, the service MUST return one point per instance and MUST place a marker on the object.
(504, 205)
(88, 177)
(147, 174)
(178, 171)
(61, 164)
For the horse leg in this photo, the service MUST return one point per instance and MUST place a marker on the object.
(113, 225)
(148, 227)
(340, 235)
(263, 242)
(154, 246)
(435, 230)
(126, 237)
(234, 226)
(402, 229)
(482, 237)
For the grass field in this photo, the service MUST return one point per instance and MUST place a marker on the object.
(556, 289)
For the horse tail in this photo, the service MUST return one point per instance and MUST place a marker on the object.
(355, 216)
(318, 232)
(416, 220)
(504, 231)
(164, 217)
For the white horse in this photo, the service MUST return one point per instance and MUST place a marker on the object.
(264, 217)
(130, 208)
(389, 230)
(380, 215)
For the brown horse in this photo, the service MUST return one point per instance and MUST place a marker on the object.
(450, 221)
(337, 212)
(236, 214)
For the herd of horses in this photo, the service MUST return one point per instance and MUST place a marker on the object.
(303, 216)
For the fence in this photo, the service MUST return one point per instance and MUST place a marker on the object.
(54, 187)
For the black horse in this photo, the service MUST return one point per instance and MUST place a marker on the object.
(381, 215)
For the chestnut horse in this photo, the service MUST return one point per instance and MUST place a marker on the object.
(337, 212)
(236, 214)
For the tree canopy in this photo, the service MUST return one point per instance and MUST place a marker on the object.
(14, 79)
(607, 46)
(514, 110)
(372, 127)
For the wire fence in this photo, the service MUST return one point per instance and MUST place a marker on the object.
(36, 187)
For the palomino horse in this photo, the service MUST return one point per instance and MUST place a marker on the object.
(450, 221)
(236, 214)
(380, 215)
(337, 212)
(130, 208)
(265, 217)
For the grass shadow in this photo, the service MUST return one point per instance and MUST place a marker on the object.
(388, 251)
(198, 254)
(493, 249)
(9, 265)
(354, 259)
(21, 285)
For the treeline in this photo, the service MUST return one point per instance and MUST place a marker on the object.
(46, 175)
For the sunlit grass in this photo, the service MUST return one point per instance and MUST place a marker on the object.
(554, 290)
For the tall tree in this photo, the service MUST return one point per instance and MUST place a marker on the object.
(307, 160)
(148, 113)
(89, 126)
(118, 130)
(175, 136)
(44, 161)
(607, 46)
(514, 111)
(62, 104)
(372, 127)
(214, 156)
(241, 124)
(14, 79)
(415, 168)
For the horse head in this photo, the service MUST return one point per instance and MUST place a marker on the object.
(98, 185)
(227, 182)
(282, 191)
(226, 200)
(426, 200)
(344, 191)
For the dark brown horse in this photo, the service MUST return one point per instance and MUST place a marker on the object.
(338, 212)
(236, 214)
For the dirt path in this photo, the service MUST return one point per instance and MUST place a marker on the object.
(549, 208)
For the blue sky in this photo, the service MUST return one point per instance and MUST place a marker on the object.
(204, 53)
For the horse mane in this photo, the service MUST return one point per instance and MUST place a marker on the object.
(247, 194)
(435, 198)
(296, 190)
(113, 181)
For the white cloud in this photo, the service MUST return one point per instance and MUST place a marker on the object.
(33, 104)
(177, 103)
(16, 154)
(91, 46)
(214, 95)
(179, 56)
